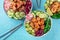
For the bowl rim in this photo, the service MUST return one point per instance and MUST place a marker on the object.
(25, 15)
(49, 8)
(46, 32)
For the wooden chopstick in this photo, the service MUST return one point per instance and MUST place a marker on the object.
(11, 31)
(38, 3)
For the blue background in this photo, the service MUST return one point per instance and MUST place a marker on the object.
(7, 23)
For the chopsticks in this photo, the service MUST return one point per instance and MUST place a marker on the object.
(11, 32)
(38, 3)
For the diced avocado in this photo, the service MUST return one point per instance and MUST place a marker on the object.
(30, 28)
(33, 31)
(34, 11)
(59, 0)
(10, 16)
(51, 2)
(48, 1)
(10, 13)
(38, 13)
(49, 12)
(27, 25)
(43, 15)
(22, 14)
(34, 14)
(27, 29)
(33, 34)
(30, 32)
(17, 15)
(16, 18)
(46, 5)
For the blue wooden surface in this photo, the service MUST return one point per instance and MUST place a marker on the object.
(7, 23)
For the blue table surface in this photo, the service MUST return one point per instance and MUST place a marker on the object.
(7, 23)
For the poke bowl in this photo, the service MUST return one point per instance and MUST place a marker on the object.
(17, 9)
(52, 7)
(37, 23)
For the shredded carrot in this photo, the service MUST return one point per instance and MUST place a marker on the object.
(42, 26)
(38, 18)
(42, 21)
(34, 20)
(31, 24)
(54, 6)
(37, 23)
(35, 29)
